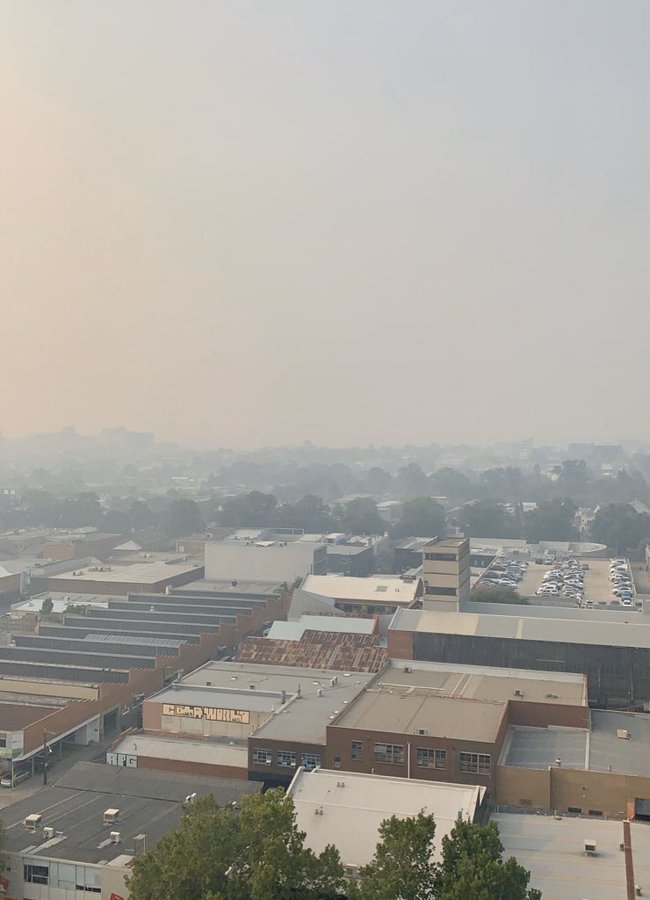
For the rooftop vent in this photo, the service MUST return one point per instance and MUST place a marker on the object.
(115, 837)
(251, 687)
(111, 816)
(422, 731)
(519, 693)
(590, 848)
(48, 833)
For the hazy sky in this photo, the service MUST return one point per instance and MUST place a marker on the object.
(238, 223)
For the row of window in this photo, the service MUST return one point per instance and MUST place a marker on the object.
(64, 875)
(426, 758)
(286, 759)
(389, 754)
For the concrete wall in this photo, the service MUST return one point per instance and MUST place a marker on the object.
(280, 562)
(556, 789)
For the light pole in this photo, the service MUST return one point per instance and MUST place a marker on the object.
(46, 750)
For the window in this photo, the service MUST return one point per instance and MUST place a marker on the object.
(441, 591)
(390, 753)
(36, 874)
(310, 760)
(576, 810)
(443, 557)
(286, 759)
(475, 763)
(357, 750)
(595, 812)
(430, 758)
(262, 757)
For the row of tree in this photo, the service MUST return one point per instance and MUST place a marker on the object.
(258, 853)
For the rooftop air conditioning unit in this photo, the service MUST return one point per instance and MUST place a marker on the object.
(48, 833)
(590, 847)
(422, 731)
(519, 693)
(32, 821)
(408, 670)
(115, 837)
(111, 816)
(623, 734)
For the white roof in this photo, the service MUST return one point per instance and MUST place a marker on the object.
(371, 589)
(554, 852)
(354, 806)
(210, 752)
(293, 631)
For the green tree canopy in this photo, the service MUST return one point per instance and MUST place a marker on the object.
(620, 526)
(183, 518)
(488, 518)
(220, 854)
(421, 517)
(551, 521)
(360, 516)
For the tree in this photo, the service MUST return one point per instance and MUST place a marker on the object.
(360, 516)
(454, 485)
(551, 521)
(421, 517)
(183, 518)
(403, 862)
(47, 606)
(376, 481)
(487, 594)
(257, 854)
(620, 527)
(255, 509)
(472, 866)
(309, 513)
(488, 519)
(411, 482)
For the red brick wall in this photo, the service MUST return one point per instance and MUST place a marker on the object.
(400, 644)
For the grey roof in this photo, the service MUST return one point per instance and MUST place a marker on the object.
(149, 803)
(211, 752)
(553, 851)
(132, 639)
(581, 630)
(538, 748)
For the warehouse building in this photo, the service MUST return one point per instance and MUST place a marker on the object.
(612, 652)
(78, 838)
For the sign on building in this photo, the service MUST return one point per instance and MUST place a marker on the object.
(209, 713)
(122, 759)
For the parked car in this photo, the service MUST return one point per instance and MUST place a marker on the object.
(19, 777)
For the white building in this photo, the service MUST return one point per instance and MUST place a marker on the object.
(346, 809)
(273, 560)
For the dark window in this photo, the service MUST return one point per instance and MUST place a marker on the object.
(595, 812)
(390, 753)
(577, 810)
(475, 763)
(443, 557)
(357, 750)
(441, 591)
(36, 874)
(287, 759)
(310, 760)
(262, 757)
(430, 758)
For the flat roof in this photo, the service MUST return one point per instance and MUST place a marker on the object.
(634, 633)
(137, 573)
(447, 542)
(364, 589)
(354, 806)
(318, 650)
(488, 683)
(595, 751)
(553, 851)
(15, 716)
(209, 752)
(385, 708)
(226, 586)
(149, 802)
(60, 602)
(305, 715)
(293, 631)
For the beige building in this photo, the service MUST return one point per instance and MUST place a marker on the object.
(446, 572)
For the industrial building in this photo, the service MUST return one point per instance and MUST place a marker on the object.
(143, 576)
(280, 560)
(612, 649)
(78, 838)
(88, 676)
(448, 723)
(346, 809)
(374, 595)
